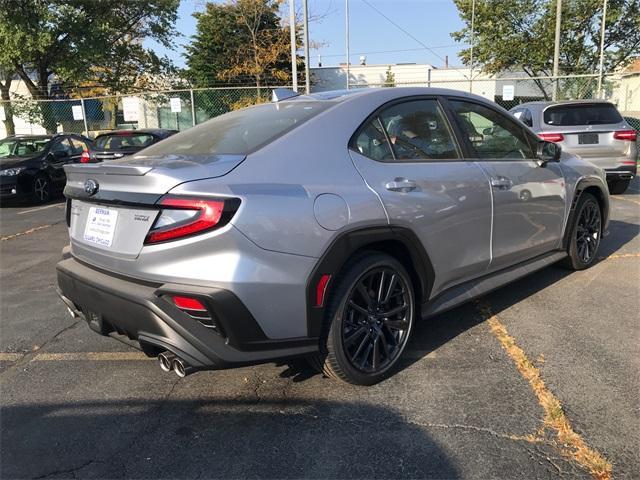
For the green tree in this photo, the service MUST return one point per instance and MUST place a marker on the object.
(80, 40)
(239, 42)
(389, 78)
(519, 35)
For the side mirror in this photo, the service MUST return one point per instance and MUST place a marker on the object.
(487, 131)
(548, 152)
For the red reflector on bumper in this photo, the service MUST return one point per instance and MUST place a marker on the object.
(188, 303)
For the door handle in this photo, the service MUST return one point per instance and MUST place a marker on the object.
(501, 183)
(401, 184)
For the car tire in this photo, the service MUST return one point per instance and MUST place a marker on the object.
(586, 233)
(41, 191)
(359, 343)
(618, 187)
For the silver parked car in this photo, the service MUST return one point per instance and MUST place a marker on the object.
(592, 129)
(321, 226)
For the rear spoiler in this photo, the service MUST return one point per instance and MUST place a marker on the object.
(107, 169)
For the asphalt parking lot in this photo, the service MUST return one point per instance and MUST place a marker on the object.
(540, 379)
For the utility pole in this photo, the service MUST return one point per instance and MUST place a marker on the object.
(294, 47)
(346, 11)
(604, 19)
(305, 13)
(473, 25)
(556, 49)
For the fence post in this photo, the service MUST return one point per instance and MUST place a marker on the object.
(84, 117)
(193, 108)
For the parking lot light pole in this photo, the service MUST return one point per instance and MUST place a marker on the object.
(294, 47)
(193, 108)
(84, 117)
(305, 13)
(556, 49)
(602, 30)
(346, 34)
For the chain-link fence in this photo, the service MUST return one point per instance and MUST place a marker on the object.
(174, 110)
(509, 91)
(181, 109)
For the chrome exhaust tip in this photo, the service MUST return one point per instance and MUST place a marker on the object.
(165, 359)
(181, 368)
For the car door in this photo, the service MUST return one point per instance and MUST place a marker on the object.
(60, 153)
(529, 200)
(406, 152)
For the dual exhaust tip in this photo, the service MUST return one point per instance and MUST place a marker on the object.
(168, 362)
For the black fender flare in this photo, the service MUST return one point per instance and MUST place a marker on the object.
(349, 242)
(581, 186)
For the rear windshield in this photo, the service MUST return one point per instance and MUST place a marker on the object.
(240, 132)
(582, 114)
(123, 141)
(23, 147)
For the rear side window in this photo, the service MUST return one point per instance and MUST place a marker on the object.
(410, 131)
(240, 132)
(582, 114)
(78, 145)
(121, 141)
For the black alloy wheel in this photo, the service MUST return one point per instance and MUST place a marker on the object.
(375, 325)
(368, 320)
(588, 232)
(41, 189)
(585, 234)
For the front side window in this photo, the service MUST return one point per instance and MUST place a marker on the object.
(410, 131)
(492, 136)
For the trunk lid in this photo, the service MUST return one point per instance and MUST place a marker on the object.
(112, 205)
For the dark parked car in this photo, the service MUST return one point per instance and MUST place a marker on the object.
(31, 165)
(112, 145)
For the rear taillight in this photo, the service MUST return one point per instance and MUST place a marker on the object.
(85, 157)
(551, 137)
(630, 135)
(182, 217)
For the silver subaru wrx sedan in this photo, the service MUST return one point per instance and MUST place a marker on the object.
(321, 226)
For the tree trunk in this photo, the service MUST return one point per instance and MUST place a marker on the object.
(9, 126)
(47, 107)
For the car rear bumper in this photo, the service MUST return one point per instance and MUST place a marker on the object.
(144, 313)
(626, 172)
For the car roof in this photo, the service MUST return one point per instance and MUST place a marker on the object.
(28, 137)
(549, 103)
(152, 131)
(339, 96)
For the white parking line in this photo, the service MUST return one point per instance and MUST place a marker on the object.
(40, 208)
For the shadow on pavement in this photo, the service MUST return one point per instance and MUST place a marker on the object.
(216, 438)
(620, 233)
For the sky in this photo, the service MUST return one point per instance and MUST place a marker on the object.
(429, 21)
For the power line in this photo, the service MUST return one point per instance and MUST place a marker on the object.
(389, 51)
(427, 47)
